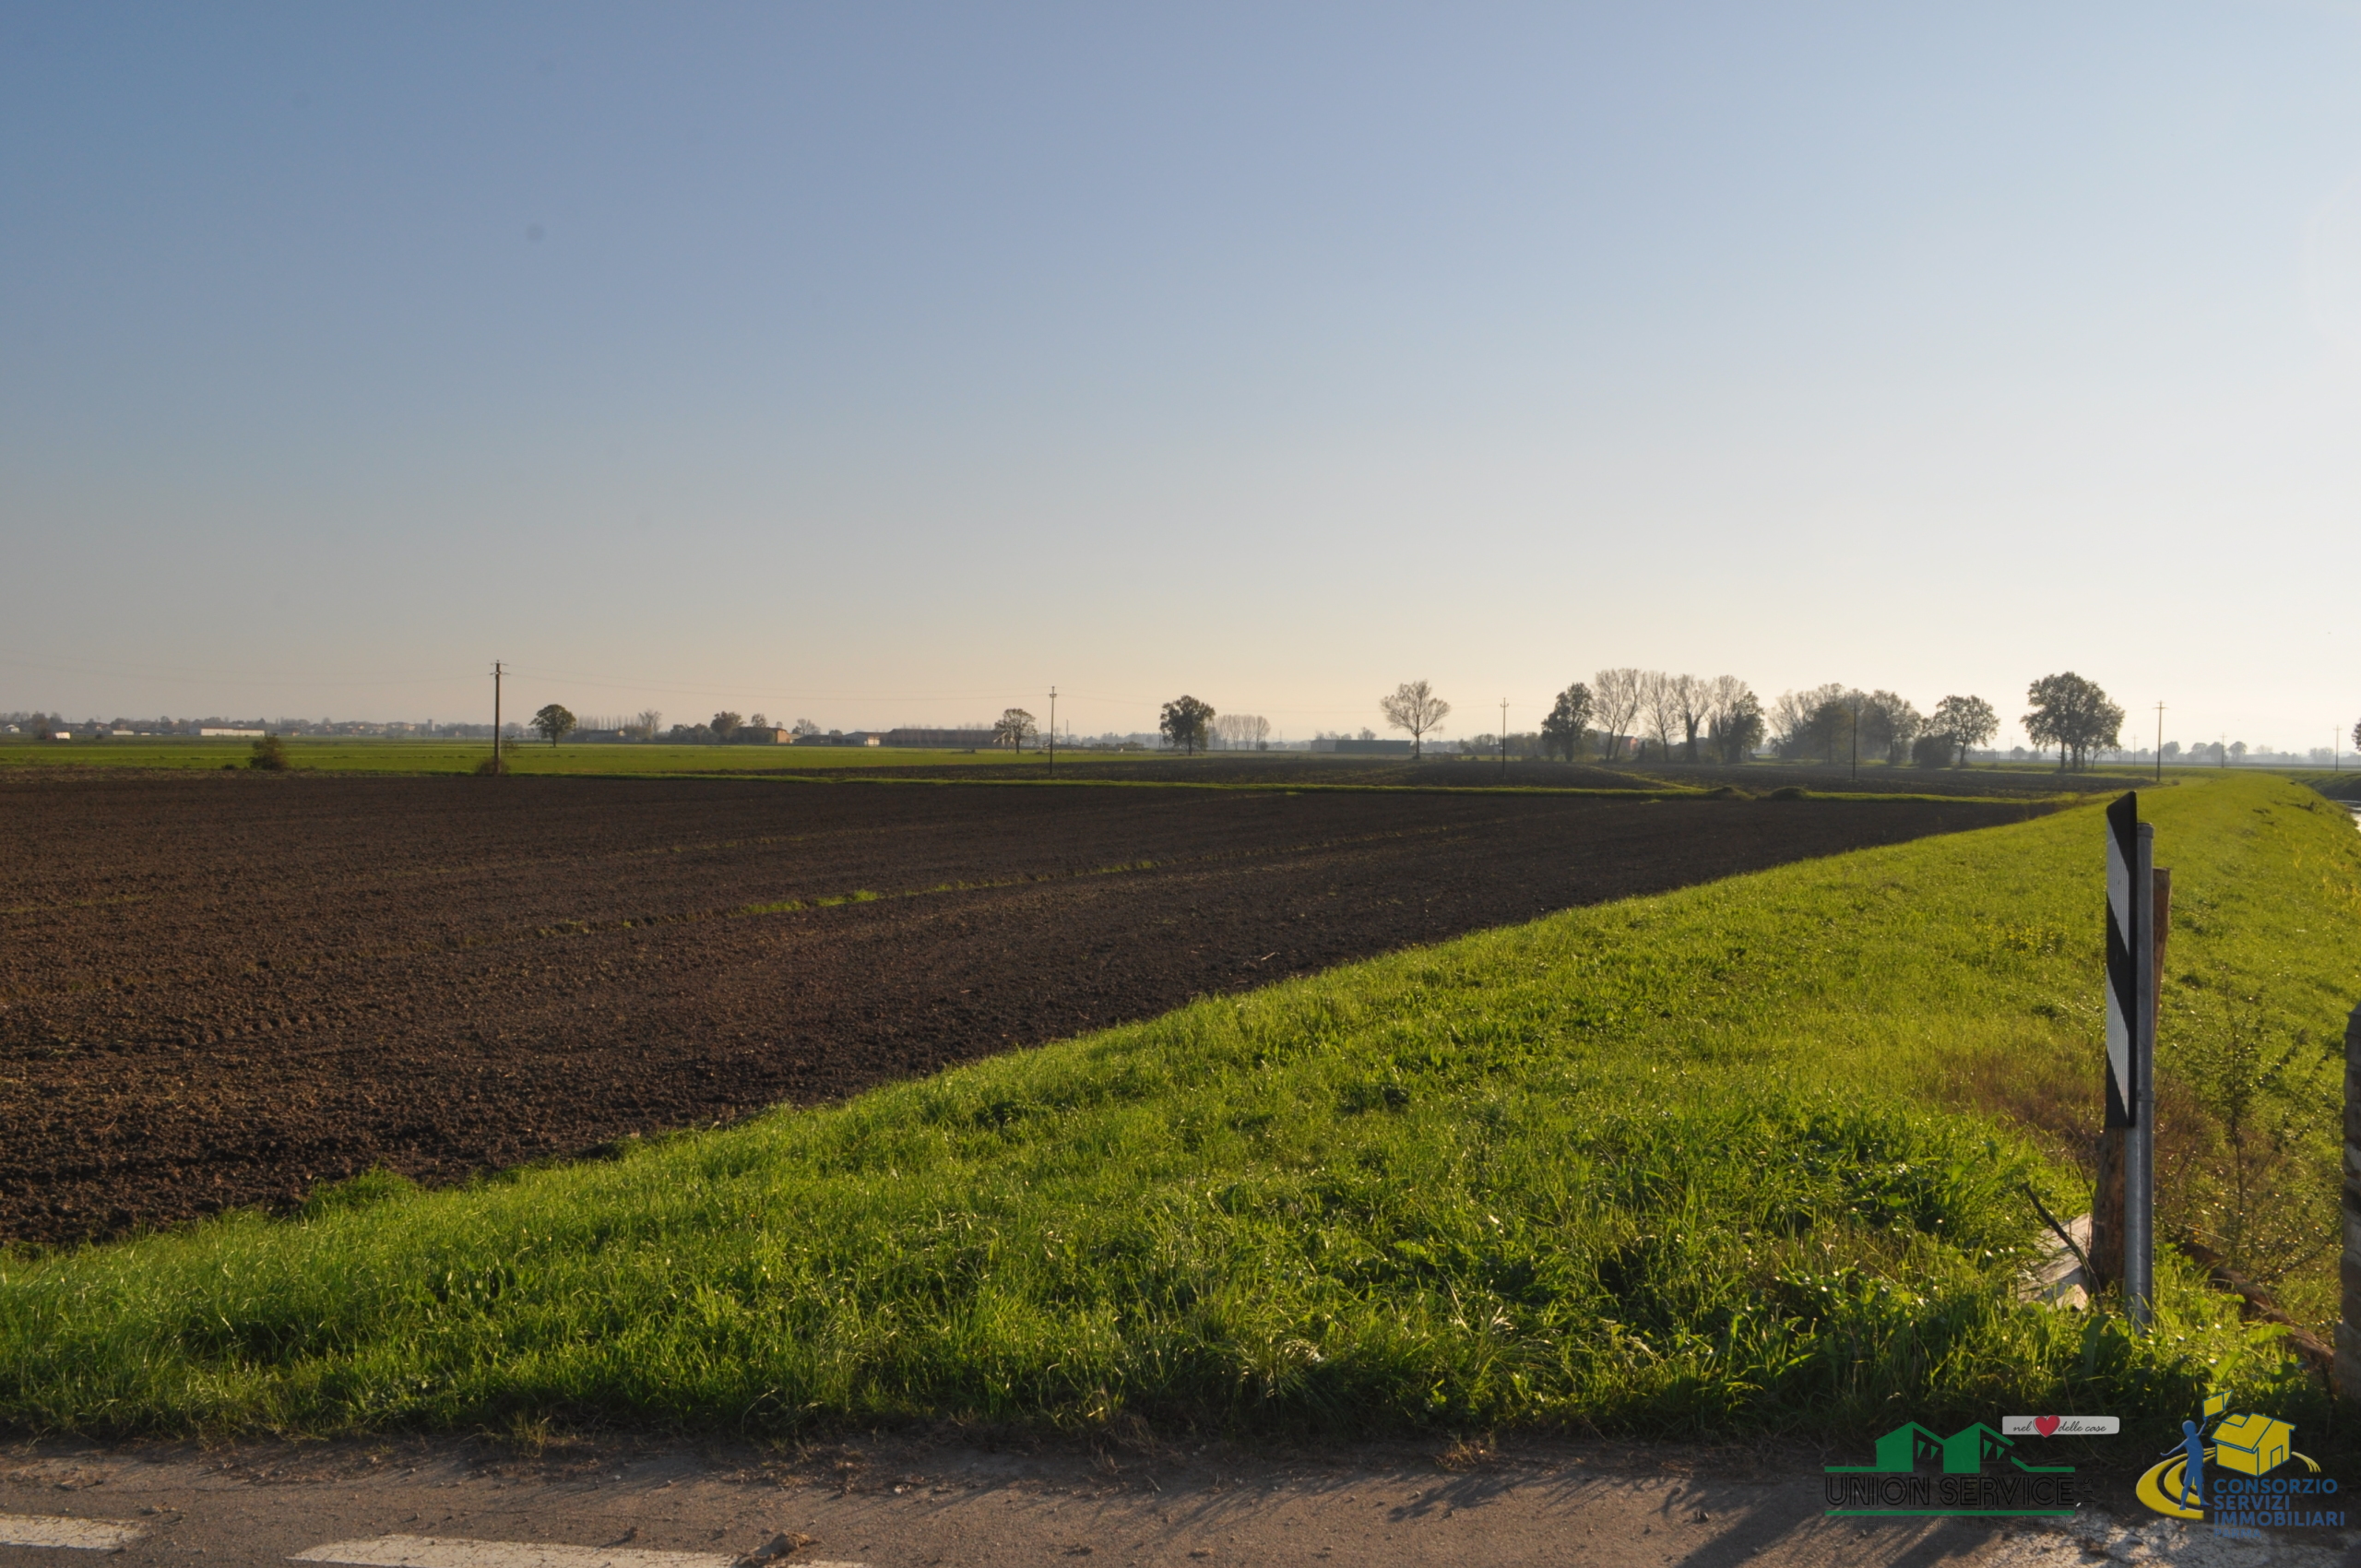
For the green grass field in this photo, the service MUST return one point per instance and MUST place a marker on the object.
(806, 763)
(370, 755)
(1748, 1157)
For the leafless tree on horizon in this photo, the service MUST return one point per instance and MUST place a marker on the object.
(1616, 693)
(1414, 707)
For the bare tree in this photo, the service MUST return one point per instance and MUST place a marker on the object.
(1796, 719)
(1693, 698)
(1414, 707)
(1889, 724)
(1734, 717)
(1661, 706)
(1617, 693)
(1242, 730)
(1906, 723)
(645, 723)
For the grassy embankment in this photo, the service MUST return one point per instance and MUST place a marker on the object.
(1733, 1159)
(2344, 785)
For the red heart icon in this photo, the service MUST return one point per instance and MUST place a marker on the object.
(2045, 1425)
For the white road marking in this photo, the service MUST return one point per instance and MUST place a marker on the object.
(56, 1530)
(435, 1552)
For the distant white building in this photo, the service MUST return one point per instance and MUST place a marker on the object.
(203, 731)
(1346, 745)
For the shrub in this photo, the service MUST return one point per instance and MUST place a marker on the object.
(270, 754)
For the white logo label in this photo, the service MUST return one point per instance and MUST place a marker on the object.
(2060, 1426)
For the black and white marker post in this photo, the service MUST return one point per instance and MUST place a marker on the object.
(2131, 1040)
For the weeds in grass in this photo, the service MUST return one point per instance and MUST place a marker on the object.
(2260, 1189)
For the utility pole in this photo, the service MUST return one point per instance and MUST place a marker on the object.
(1053, 732)
(497, 672)
(1856, 742)
(1504, 740)
(2160, 742)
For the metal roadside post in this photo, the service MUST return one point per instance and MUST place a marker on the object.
(2348, 1326)
(2124, 1241)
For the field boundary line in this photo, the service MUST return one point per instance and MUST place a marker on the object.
(1667, 792)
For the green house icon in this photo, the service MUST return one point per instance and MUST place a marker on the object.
(1964, 1452)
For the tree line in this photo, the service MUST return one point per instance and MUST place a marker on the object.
(1621, 710)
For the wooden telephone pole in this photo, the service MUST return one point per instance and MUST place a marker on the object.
(497, 765)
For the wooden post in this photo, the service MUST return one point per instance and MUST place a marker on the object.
(2106, 1211)
(2348, 1328)
(2106, 1201)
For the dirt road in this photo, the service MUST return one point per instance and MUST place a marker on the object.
(650, 1505)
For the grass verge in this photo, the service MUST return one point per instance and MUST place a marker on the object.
(1739, 1158)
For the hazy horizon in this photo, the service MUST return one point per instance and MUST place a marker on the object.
(889, 366)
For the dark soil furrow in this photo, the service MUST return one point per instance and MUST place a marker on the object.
(221, 991)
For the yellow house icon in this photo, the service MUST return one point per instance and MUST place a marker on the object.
(2253, 1446)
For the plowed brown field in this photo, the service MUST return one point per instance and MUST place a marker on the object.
(219, 989)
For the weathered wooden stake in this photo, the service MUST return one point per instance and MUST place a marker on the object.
(2106, 1211)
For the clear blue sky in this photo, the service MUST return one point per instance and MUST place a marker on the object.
(890, 362)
